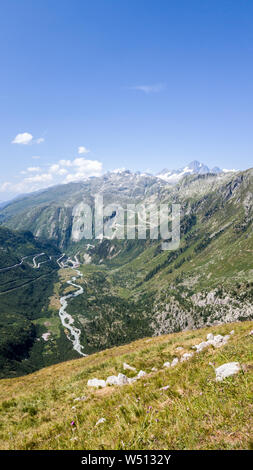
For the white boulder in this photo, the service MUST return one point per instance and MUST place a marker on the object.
(112, 380)
(174, 362)
(96, 383)
(166, 364)
(226, 370)
(100, 421)
(128, 367)
(199, 347)
(218, 338)
(141, 374)
(122, 379)
(217, 341)
(186, 356)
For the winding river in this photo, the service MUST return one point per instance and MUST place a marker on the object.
(66, 319)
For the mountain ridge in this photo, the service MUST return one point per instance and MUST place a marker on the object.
(134, 288)
(194, 167)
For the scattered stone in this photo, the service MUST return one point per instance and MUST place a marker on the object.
(128, 367)
(250, 333)
(132, 380)
(219, 341)
(226, 338)
(165, 387)
(141, 374)
(174, 362)
(122, 379)
(226, 370)
(216, 341)
(81, 398)
(112, 380)
(96, 383)
(221, 372)
(199, 347)
(166, 364)
(232, 332)
(186, 356)
(101, 420)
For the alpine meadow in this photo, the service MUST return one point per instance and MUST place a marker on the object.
(126, 230)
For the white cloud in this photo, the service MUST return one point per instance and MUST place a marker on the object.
(54, 168)
(5, 186)
(34, 169)
(156, 88)
(31, 169)
(65, 162)
(82, 169)
(63, 171)
(24, 139)
(36, 157)
(83, 150)
(45, 177)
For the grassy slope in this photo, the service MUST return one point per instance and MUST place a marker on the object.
(194, 413)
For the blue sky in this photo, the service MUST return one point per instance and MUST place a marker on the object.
(141, 84)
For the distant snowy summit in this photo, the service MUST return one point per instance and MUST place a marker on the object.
(168, 176)
(195, 167)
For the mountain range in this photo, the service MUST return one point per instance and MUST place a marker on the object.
(195, 167)
(130, 288)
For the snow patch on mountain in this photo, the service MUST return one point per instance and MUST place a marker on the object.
(195, 167)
